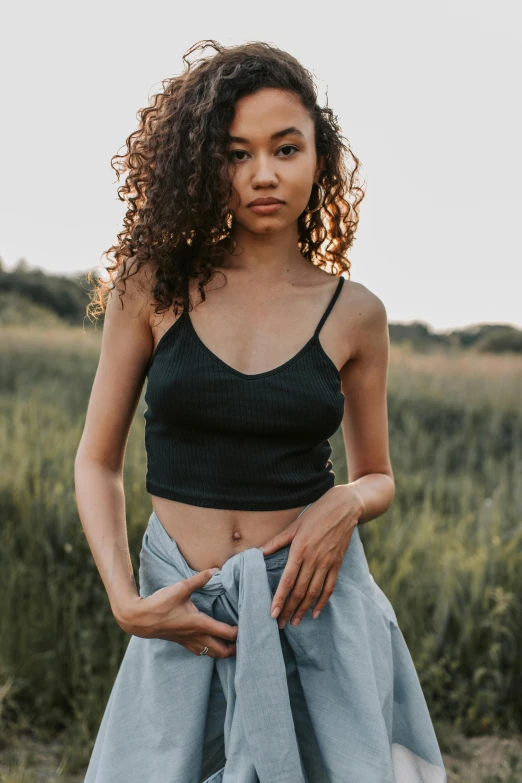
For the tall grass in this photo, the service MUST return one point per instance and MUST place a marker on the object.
(447, 553)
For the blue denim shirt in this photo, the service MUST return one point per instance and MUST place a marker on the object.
(368, 718)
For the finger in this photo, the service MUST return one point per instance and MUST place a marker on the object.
(273, 544)
(206, 624)
(297, 595)
(191, 583)
(217, 648)
(328, 588)
(312, 594)
(283, 538)
(286, 583)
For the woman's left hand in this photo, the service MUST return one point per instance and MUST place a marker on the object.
(319, 539)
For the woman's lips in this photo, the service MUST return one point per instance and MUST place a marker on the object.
(266, 209)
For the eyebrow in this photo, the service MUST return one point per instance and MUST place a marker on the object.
(285, 132)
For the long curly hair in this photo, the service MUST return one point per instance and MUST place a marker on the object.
(178, 187)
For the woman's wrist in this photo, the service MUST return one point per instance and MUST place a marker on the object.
(348, 498)
(124, 606)
(371, 495)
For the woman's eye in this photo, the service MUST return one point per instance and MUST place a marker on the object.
(237, 152)
(232, 153)
(288, 147)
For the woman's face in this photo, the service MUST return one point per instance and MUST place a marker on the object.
(272, 155)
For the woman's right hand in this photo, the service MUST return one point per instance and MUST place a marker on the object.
(170, 614)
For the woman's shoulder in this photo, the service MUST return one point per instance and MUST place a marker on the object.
(366, 301)
(366, 320)
(353, 293)
(362, 316)
(134, 285)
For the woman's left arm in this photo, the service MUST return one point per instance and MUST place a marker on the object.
(320, 537)
(365, 421)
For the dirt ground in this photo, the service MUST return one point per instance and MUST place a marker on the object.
(486, 759)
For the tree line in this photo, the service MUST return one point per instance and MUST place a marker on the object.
(67, 297)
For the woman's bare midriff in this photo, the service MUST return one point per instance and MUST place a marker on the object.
(207, 537)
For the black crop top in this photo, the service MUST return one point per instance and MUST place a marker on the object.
(218, 438)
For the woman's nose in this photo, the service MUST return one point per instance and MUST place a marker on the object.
(264, 173)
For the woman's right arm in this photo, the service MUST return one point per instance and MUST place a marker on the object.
(126, 347)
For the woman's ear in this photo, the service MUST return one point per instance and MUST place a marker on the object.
(319, 168)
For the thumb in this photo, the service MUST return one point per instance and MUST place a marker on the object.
(198, 580)
(278, 541)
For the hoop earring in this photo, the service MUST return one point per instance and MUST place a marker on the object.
(321, 199)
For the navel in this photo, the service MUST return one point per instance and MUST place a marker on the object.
(236, 536)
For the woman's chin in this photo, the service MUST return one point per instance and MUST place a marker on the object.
(265, 224)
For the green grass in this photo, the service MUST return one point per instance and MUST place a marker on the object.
(447, 553)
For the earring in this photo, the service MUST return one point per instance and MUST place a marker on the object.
(321, 199)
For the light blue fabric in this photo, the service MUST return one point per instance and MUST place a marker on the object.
(333, 700)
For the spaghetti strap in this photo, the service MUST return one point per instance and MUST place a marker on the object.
(330, 306)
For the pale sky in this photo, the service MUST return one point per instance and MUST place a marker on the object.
(427, 93)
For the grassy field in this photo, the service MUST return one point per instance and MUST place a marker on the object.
(447, 553)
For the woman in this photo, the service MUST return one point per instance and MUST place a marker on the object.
(237, 176)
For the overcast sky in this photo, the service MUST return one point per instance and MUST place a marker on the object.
(427, 93)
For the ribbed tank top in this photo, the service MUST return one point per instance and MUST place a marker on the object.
(219, 438)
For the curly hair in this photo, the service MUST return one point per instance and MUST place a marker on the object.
(178, 186)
